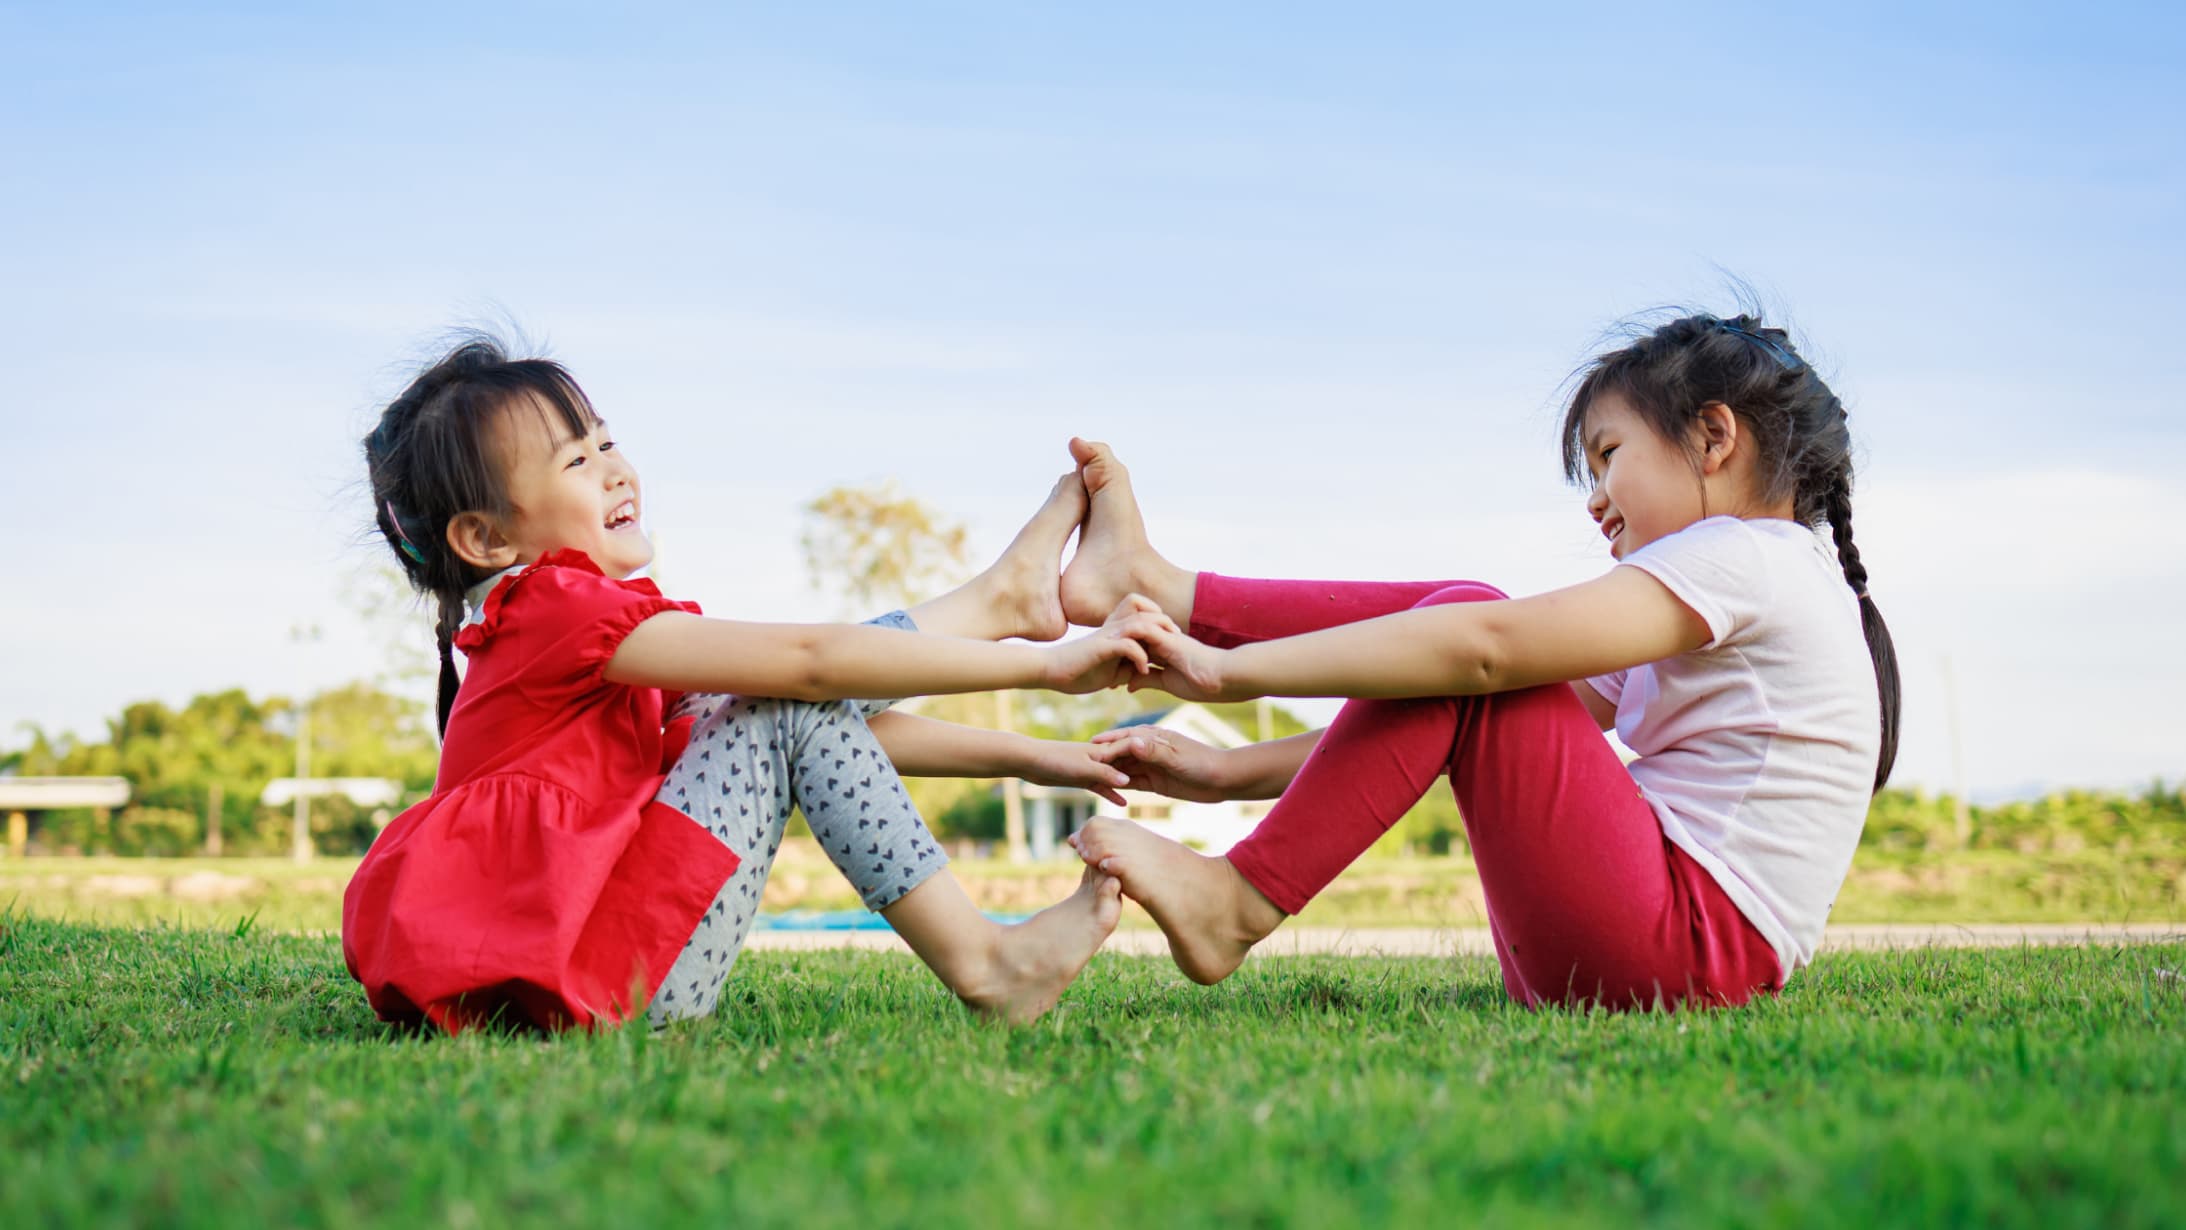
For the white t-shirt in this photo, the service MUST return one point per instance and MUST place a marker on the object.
(1758, 750)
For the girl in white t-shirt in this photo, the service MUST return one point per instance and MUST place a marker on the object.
(1732, 648)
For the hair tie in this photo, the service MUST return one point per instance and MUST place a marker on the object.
(408, 548)
(1774, 347)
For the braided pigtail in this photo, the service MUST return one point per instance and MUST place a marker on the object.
(1837, 504)
(451, 618)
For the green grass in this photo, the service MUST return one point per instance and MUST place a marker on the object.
(2070, 885)
(207, 1078)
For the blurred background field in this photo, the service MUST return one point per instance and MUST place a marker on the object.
(197, 776)
(2072, 858)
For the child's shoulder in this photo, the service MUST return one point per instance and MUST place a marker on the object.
(561, 587)
(1739, 575)
(1753, 541)
(1719, 543)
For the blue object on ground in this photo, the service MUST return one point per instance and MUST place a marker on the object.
(841, 920)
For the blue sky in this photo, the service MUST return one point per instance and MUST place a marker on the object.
(1317, 272)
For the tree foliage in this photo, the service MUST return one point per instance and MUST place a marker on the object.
(174, 759)
(2066, 821)
(877, 548)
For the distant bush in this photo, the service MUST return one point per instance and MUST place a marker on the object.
(980, 816)
(2063, 823)
(2152, 822)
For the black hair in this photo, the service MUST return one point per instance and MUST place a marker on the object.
(432, 456)
(1796, 424)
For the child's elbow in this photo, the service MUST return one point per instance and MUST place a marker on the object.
(813, 667)
(1474, 674)
(1481, 664)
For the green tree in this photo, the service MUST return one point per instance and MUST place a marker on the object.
(876, 547)
(174, 759)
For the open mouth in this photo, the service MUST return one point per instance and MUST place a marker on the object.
(625, 514)
(1612, 527)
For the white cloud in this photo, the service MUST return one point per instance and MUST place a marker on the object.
(1981, 534)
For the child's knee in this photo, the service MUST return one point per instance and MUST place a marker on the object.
(1463, 591)
(799, 720)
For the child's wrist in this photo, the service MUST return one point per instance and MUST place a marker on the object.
(1020, 754)
(1224, 665)
(1247, 774)
(1050, 668)
(1225, 773)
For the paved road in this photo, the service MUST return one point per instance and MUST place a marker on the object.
(1455, 941)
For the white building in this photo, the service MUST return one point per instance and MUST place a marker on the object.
(1211, 828)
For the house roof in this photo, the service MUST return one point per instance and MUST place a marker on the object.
(1152, 718)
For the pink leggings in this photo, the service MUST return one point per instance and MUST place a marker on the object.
(1587, 901)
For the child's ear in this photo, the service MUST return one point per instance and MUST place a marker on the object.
(1718, 427)
(476, 539)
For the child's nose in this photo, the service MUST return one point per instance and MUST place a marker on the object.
(1597, 503)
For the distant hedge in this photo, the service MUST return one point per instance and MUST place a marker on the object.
(2149, 823)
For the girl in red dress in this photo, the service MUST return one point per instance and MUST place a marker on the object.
(614, 781)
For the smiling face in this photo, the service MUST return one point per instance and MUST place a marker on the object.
(568, 492)
(1644, 487)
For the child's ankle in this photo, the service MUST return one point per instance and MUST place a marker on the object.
(975, 965)
(1251, 913)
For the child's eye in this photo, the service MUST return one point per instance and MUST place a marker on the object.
(574, 462)
(607, 446)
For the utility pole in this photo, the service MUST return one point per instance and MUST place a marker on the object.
(212, 821)
(300, 834)
(300, 837)
(1013, 791)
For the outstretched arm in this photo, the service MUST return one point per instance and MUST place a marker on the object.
(924, 747)
(1623, 619)
(1165, 762)
(690, 653)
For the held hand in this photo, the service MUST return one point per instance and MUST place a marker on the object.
(1110, 656)
(1093, 662)
(1183, 667)
(1164, 762)
(1058, 763)
(1138, 610)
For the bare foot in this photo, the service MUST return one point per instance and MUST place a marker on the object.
(1027, 580)
(1114, 557)
(1018, 595)
(1037, 958)
(1211, 914)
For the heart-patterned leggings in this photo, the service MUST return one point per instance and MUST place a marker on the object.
(749, 759)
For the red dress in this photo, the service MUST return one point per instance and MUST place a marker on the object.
(541, 880)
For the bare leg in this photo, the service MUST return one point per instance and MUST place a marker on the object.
(1211, 915)
(1017, 594)
(1013, 973)
(1114, 557)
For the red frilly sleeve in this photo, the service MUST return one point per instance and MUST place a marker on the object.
(572, 619)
